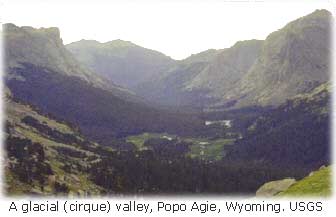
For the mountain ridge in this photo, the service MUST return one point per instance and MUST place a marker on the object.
(294, 59)
(43, 74)
(290, 61)
(122, 62)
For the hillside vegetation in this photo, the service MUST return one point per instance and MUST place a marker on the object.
(294, 135)
(317, 184)
(45, 156)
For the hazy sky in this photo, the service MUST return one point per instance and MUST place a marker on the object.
(177, 28)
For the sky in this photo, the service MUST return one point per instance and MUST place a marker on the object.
(177, 28)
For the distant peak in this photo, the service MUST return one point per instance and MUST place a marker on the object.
(245, 42)
(209, 51)
(114, 43)
(85, 41)
(120, 43)
(88, 41)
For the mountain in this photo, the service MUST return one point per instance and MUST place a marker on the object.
(43, 47)
(47, 80)
(123, 62)
(148, 73)
(171, 88)
(21, 41)
(204, 57)
(228, 67)
(293, 60)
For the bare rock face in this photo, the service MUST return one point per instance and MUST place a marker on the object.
(290, 61)
(270, 189)
(293, 60)
(43, 47)
(229, 66)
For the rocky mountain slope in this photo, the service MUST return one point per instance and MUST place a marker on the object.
(122, 62)
(44, 47)
(227, 68)
(293, 60)
(170, 89)
(21, 41)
